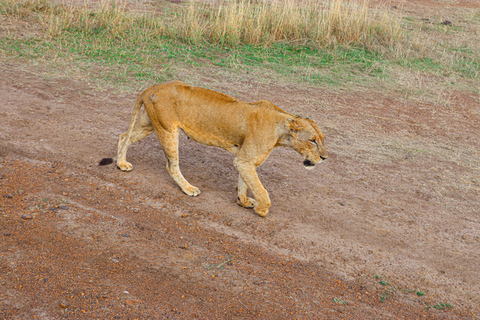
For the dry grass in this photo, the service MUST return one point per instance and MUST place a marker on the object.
(265, 22)
(229, 23)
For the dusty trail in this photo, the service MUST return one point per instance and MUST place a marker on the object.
(398, 198)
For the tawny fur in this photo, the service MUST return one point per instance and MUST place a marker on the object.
(248, 130)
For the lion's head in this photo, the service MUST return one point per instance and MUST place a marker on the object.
(307, 139)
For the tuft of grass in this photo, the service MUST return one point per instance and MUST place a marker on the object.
(443, 306)
(221, 265)
(339, 301)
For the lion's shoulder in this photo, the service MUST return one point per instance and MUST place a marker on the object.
(267, 105)
(205, 94)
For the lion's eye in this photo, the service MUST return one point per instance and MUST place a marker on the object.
(313, 142)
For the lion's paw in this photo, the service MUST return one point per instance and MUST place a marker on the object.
(192, 191)
(125, 166)
(262, 212)
(249, 203)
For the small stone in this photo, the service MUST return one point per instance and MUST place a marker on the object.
(341, 203)
(6, 234)
(115, 260)
(381, 231)
(63, 207)
(446, 23)
(7, 195)
(26, 217)
(131, 302)
(64, 305)
(53, 209)
(126, 235)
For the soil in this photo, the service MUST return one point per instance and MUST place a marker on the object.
(387, 228)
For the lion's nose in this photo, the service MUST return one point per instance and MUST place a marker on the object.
(308, 163)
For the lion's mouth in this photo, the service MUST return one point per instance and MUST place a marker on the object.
(308, 164)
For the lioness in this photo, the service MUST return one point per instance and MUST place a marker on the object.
(248, 130)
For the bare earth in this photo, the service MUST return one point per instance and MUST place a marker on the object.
(387, 228)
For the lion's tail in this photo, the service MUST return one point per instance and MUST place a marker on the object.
(136, 110)
(105, 161)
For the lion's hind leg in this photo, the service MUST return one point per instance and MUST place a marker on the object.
(143, 127)
(169, 142)
(242, 199)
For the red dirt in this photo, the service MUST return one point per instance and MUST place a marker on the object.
(96, 232)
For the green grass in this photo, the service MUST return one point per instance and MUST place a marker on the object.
(112, 47)
(443, 306)
(99, 59)
(339, 301)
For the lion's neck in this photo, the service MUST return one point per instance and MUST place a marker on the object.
(284, 136)
(285, 141)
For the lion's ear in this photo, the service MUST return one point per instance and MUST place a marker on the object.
(292, 125)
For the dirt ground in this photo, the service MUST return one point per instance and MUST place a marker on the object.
(387, 228)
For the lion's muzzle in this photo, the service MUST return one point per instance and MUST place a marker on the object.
(308, 164)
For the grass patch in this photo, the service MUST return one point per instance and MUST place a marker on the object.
(339, 301)
(443, 306)
(332, 43)
(230, 23)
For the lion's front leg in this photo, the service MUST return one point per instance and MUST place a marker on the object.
(248, 174)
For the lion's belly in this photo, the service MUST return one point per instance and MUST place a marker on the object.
(212, 126)
(209, 138)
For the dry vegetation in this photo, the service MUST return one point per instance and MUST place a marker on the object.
(262, 23)
(333, 42)
(232, 23)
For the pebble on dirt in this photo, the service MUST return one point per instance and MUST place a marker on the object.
(131, 302)
(27, 217)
